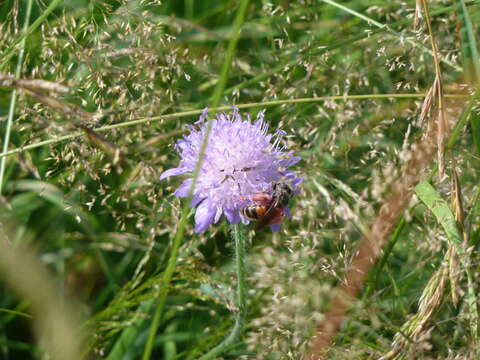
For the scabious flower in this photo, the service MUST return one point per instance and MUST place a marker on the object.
(241, 160)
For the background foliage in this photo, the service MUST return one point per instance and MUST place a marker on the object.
(102, 222)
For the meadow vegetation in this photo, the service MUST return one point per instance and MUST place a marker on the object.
(380, 99)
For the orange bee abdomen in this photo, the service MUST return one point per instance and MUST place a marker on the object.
(254, 212)
(261, 210)
(269, 208)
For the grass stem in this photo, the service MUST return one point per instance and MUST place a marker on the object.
(13, 100)
(172, 261)
(239, 237)
(379, 25)
(221, 108)
(27, 31)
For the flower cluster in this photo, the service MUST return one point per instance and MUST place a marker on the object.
(241, 160)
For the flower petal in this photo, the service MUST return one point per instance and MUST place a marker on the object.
(275, 227)
(295, 183)
(196, 200)
(218, 214)
(183, 189)
(293, 160)
(203, 117)
(204, 216)
(233, 216)
(242, 162)
(173, 172)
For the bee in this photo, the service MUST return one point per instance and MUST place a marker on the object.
(269, 208)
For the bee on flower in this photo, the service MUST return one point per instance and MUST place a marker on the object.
(245, 174)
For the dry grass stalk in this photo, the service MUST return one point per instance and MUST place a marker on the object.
(416, 326)
(422, 154)
(457, 202)
(438, 91)
(51, 316)
(37, 88)
(34, 84)
(418, 13)
(434, 292)
(453, 260)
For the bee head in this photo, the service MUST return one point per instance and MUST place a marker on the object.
(282, 192)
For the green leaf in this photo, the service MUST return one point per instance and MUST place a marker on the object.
(55, 196)
(471, 62)
(439, 207)
(475, 124)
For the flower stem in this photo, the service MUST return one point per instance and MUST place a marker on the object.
(172, 261)
(231, 339)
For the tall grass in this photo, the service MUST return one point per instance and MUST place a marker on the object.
(101, 90)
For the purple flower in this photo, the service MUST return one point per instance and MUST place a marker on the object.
(241, 160)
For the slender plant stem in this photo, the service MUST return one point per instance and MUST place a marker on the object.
(232, 45)
(10, 51)
(189, 8)
(130, 334)
(462, 9)
(13, 100)
(373, 275)
(318, 51)
(231, 339)
(441, 116)
(220, 108)
(379, 25)
(172, 261)
(463, 118)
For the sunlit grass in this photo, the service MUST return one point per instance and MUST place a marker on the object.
(349, 83)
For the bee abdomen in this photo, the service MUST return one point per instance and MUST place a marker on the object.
(253, 212)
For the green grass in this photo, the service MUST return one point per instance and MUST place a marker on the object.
(345, 80)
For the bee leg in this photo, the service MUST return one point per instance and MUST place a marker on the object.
(277, 218)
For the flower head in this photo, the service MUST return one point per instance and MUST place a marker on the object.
(241, 160)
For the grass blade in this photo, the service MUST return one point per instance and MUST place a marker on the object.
(221, 108)
(167, 277)
(471, 62)
(13, 100)
(51, 316)
(388, 29)
(445, 217)
(10, 51)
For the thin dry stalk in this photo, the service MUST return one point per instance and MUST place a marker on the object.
(457, 202)
(35, 84)
(430, 302)
(52, 319)
(418, 13)
(37, 88)
(69, 110)
(441, 116)
(434, 293)
(453, 260)
(371, 244)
